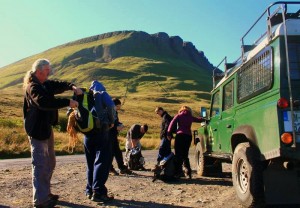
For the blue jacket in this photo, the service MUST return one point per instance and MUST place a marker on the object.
(104, 105)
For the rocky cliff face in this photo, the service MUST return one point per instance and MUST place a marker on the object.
(138, 43)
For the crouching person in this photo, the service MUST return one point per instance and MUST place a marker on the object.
(133, 156)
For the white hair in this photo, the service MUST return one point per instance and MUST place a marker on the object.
(37, 65)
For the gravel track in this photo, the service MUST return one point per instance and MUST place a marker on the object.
(135, 191)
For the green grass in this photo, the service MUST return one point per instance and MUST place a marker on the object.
(138, 108)
(148, 77)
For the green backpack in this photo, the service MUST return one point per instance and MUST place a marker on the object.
(86, 119)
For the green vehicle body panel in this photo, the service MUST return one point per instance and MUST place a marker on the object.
(246, 120)
(257, 119)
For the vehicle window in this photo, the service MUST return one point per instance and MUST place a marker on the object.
(215, 104)
(294, 56)
(256, 76)
(228, 95)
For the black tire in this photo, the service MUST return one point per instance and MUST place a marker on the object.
(206, 166)
(247, 175)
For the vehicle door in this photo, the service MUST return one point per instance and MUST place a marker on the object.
(214, 120)
(226, 122)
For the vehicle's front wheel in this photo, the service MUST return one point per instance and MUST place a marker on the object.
(206, 166)
(247, 175)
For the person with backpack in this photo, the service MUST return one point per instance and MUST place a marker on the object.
(183, 122)
(165, 144)
(97, 145)
(116, 151)
(40, 110)
(133, 137)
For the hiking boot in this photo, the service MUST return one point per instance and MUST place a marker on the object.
(48, 204)
(143, 168)
(126, 171)
(113, 172)
(88, 195)
(101, 198)
(179, 175)
(156, 167)
(53, 196)
(188, 173)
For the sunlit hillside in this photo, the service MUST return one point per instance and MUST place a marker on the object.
(144, 71)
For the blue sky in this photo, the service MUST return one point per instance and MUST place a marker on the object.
(29, 27)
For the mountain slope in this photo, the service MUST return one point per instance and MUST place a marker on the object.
(144, 70)
(125, 61)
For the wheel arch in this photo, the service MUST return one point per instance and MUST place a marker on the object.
(200, 143)
(244, 133)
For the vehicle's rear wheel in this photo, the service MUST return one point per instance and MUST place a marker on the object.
(206, 166)
(247, 175)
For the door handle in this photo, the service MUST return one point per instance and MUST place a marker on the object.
(228, 126)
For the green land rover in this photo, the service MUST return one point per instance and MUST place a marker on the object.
(254, 117)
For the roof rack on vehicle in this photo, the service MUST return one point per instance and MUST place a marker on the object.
(218, 76)
(273, 19)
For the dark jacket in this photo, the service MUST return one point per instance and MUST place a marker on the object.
(40, 108)
(166, 120)
(134, 132)
(114, 130)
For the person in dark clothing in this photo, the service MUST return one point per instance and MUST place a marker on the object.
(97, 146)
(133, 137)
(40, 110)
(165, 144)
(183, 121)
(116, 151)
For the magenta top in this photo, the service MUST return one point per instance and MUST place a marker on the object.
(183, 123)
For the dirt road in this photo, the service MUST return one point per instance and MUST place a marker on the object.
(135, 191)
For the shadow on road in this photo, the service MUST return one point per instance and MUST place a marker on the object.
(69, 204)
(204, 181)
(139, 204)
(120, 203)
(217, 181)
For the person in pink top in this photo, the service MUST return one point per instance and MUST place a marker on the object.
(181, 125)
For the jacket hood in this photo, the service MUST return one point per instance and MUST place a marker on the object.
(97, 86)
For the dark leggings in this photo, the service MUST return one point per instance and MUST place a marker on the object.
(182, 146)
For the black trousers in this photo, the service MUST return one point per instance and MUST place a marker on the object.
(182, 146)
(116, 151)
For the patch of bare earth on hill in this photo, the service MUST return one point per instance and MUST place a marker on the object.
(135, 191)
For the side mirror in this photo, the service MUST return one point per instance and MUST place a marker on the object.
(203, 112)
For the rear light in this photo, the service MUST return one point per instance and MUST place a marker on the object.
(283, 103)
(286, 138)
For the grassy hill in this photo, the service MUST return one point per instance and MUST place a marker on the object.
(151, 71)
